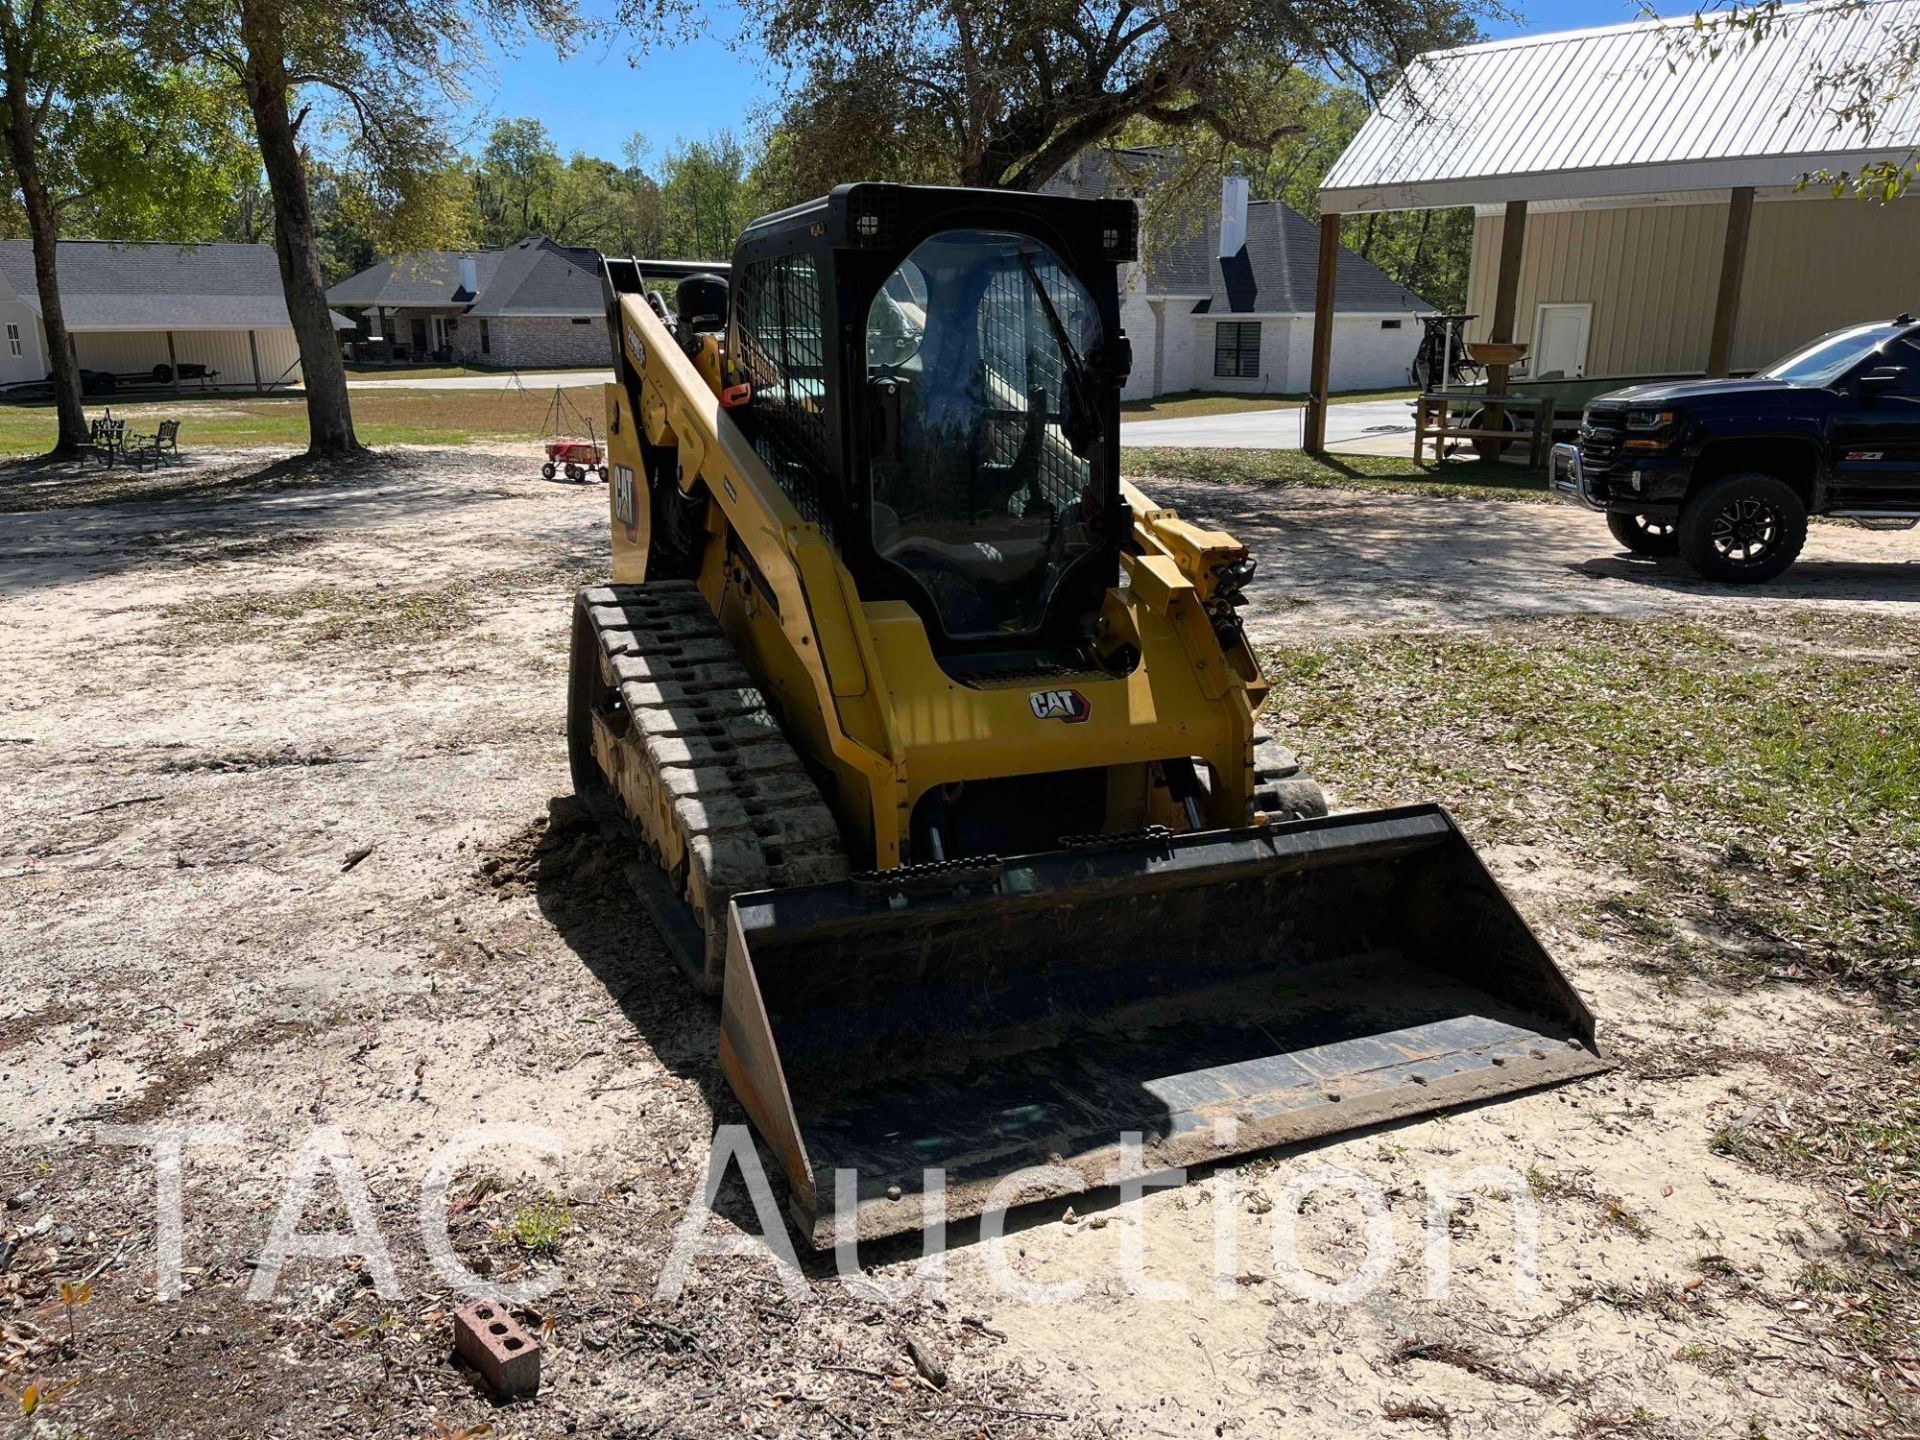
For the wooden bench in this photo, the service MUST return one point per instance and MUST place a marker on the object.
(1433, 420)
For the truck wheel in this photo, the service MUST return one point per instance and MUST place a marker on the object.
(1643, 536)
(1743, 528)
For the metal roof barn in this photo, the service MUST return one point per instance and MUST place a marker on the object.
(1628, 110)
(1691, 109)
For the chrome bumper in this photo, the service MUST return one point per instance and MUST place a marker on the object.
(1567, 480)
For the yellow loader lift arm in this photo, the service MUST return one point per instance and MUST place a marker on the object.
(938, 741)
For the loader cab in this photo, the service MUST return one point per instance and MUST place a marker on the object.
(936, 376)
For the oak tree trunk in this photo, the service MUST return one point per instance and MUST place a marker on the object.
(329, 418)
(43, 223)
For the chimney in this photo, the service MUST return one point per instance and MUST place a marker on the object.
(1233, 213)
(469, 276)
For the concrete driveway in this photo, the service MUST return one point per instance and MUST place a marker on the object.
(1374, 427)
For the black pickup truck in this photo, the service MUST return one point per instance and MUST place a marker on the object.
(1724, 473)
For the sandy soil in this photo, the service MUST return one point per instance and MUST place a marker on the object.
(277, 751)
(1346, 561)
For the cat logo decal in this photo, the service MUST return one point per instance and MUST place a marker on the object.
(626, 501)
(1068, 705)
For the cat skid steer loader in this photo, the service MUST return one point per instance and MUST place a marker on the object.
(937, 742)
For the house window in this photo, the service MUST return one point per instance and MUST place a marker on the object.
(1236, 349)
(486, 339)
(13, 340)
(582, 322)
(1389, 324)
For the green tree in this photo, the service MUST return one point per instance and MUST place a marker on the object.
(369, 82)
(1005, 93)
(703, 191)
(96, 134)
(515, 180)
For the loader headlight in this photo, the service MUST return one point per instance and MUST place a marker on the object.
(871, 217)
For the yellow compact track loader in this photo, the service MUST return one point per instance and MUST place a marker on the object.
(938, 742)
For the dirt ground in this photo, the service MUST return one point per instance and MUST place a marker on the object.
(277, 749)
(1336, 562)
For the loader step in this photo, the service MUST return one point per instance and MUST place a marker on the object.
(667, 726)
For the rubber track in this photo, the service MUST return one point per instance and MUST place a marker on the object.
(746, 812)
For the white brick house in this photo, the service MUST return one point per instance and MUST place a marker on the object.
(1226, 303)
(530, 304)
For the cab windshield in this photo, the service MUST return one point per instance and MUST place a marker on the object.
(1829, 357)
(983, 421)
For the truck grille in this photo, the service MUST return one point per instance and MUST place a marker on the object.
(1601, 432)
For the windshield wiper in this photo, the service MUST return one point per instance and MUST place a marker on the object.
(1080, 425)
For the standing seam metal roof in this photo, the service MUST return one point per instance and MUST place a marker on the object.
(1627, 110)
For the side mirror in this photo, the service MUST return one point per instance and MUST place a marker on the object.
(1886, 377)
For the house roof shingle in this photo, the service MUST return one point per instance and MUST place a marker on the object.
(534, 276)
(107, 285)
(1274, 272)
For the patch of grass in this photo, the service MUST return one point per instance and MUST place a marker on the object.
(1758, 791)
(451, 372)
(1716, 1360)
(1869, 1303)
(1452, 479)
(381, 417)
(1614, 1212)
(372, 617)
(1762, 798)
(1187, 404)
(320, 614)
(1742, 1142)
(537, 1229)
(410, 372)
(1557, 1185)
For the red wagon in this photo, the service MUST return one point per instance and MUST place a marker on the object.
(576, 459)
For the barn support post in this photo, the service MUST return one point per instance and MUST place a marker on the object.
(1506, 299)
(1733, 265)
(1506, 293)
(253, 349)
(1314, 441)
(173, 363)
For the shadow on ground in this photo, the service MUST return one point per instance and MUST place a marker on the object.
(71, 520)
(1815, 579)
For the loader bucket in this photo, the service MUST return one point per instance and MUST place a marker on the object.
(1217, 992)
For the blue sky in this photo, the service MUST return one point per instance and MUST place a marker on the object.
(594, 100)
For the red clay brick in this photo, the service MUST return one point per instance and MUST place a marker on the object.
(492, 1341)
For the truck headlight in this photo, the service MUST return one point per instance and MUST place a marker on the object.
(1650, 419)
